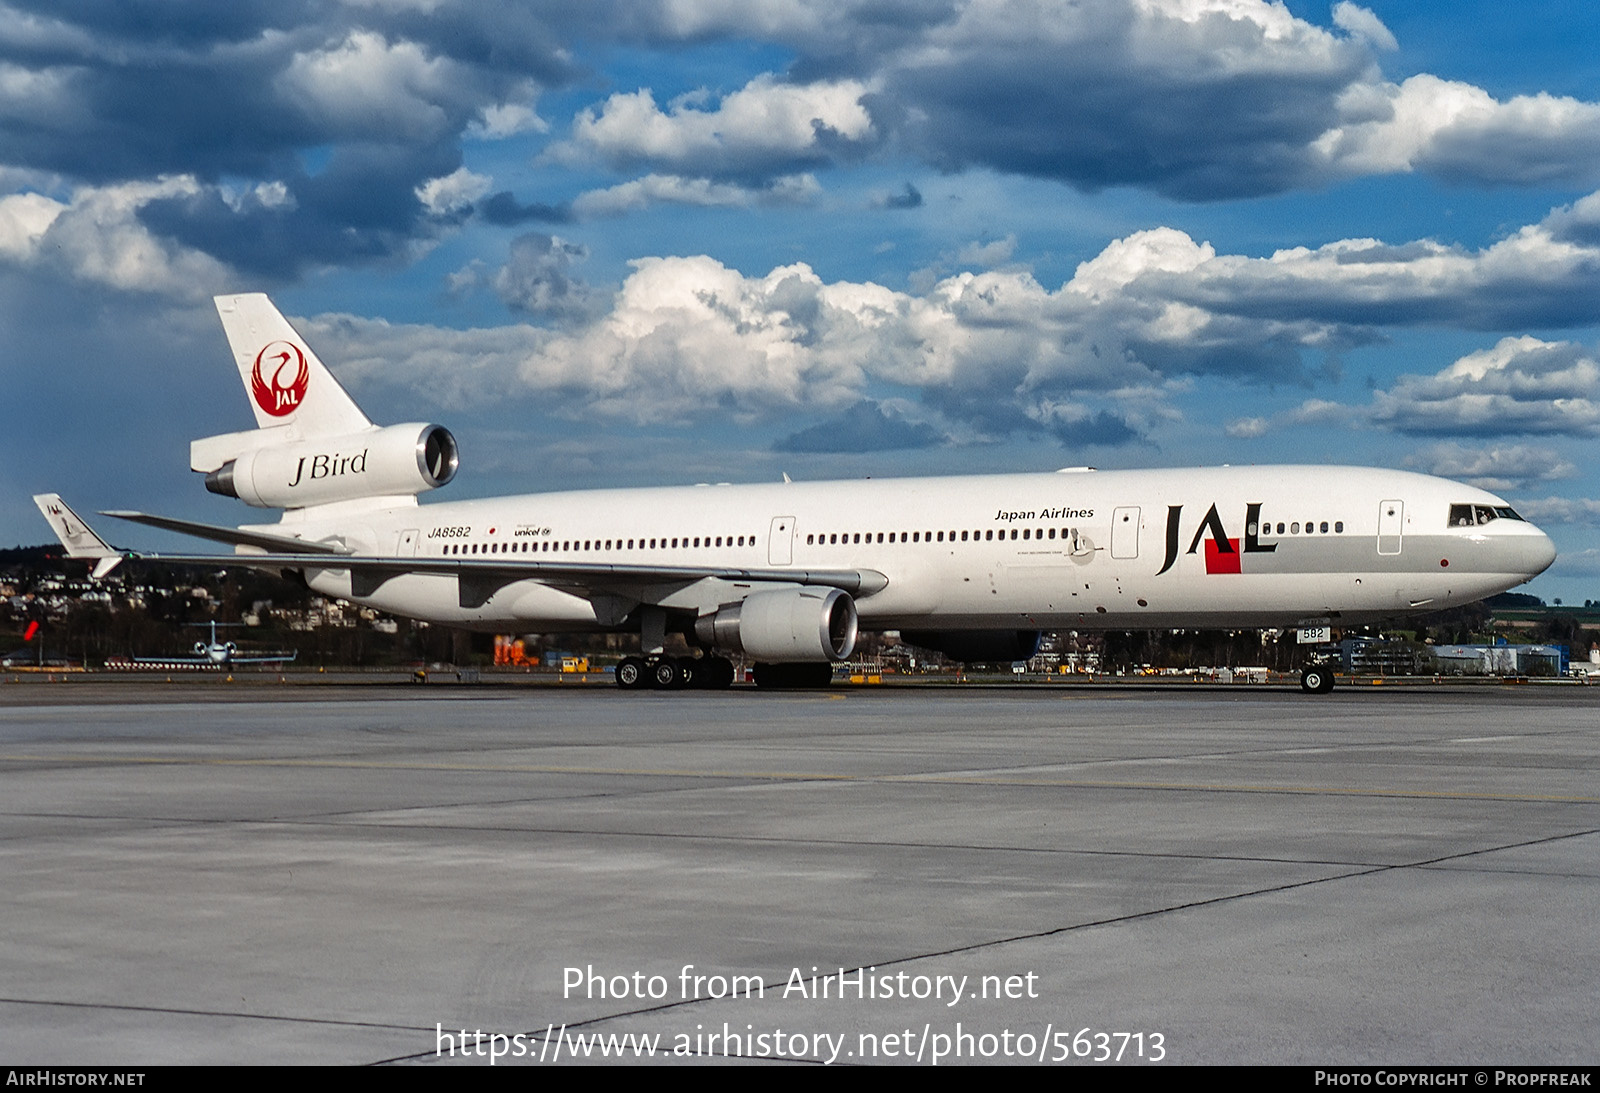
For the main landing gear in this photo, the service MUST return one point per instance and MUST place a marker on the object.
(675, 673)
(1316, 679)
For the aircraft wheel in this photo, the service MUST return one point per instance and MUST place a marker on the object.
(816, 675)
(1316, 680)
(689, 672)
(664, 673)
(794, 676)
(630, 673)
(717, 673)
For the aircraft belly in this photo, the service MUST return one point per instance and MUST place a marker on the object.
(436, 598)
(413, 595)
(539, 605)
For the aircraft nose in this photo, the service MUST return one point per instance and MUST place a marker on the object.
(1538, 553)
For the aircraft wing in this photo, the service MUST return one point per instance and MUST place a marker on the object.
(235, 536)
(281, 658)
(480, 578)
(209, 662)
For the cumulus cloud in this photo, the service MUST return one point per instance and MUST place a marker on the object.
(1364, 24)
(365, 205)
(378, 97)
(537, 277)
(1197, 99)
(1087, 430)
(1461, 133)
(24, 218)
(765, 128)
(687, 337)
(1545, 274)
(684, 338)
(96, 237)
(504, 210)
(502, 120)
(368, 86)
(1521, 385)
(1577, 563)
(1561, 510)
(452, 194)
(864, 427)
(1494, 466)
(1092, 361)
(356, 112)
(656, 189)
(908, 198)
(1194, 99)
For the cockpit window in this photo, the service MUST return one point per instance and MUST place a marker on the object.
(1466, 516)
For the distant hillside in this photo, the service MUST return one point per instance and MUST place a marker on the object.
(1514, 599)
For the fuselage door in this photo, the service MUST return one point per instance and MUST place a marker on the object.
(1391, 519)
(408, 543)
(1125, 532)
(780, 541)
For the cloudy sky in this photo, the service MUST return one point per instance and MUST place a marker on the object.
(624, 242)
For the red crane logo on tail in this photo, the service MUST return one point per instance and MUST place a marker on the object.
(278, 380)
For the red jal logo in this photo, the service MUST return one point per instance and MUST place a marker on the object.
(267, 378)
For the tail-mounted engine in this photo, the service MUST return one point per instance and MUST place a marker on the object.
(785, 625)
(400, 460)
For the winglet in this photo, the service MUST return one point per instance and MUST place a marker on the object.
(76, 535)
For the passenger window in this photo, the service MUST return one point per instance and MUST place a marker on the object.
(1295, 527)
(1338, 527)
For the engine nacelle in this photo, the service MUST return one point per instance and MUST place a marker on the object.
(401, 460)
(785, 625)
(977, 646)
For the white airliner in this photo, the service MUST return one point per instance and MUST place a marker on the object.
(786, 573)
(215, 654)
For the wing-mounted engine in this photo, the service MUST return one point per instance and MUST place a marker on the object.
(977, 646)
(785, 625)
(397, 461)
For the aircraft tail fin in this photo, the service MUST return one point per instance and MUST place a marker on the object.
(287, 384)
(76, 535)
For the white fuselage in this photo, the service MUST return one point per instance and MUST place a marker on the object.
(1209, 547)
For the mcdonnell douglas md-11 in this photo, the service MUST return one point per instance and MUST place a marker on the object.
(788, 573)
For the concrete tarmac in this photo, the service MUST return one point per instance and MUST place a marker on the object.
(1176, 874)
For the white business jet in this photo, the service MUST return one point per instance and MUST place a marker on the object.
(788, 573)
